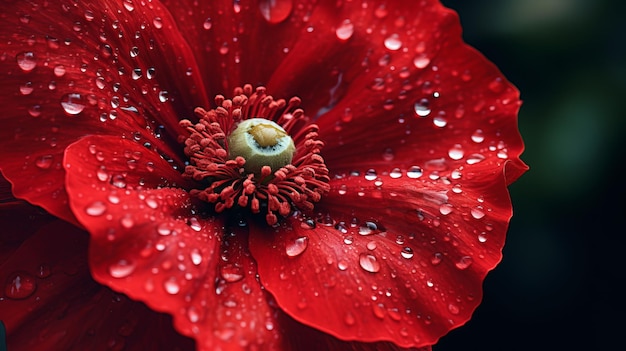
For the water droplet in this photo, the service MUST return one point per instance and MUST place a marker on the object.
(456, 152)
(414, 172)
(59, 71)
(440, 121)
(163, 96)
(454, 309)
(369, 263)
(275, 11)
(44, 162)
(345, 30)
(349, 319)
(368, 228)
(165, 229)
(20, 285)
(421, 61)
(26, 61)
(371, 245)
(127, 221)
(27, 88)
(370, 174)
(478, 136)
(231, 273)
(445, 209)
(421, 108)
(157, 22)
(407, 252)
(97, 208)
(297, 246)
(436, 259)
(395, 173)
(208, 23)
(196, 257)
(477, 212)
(121, 269)
(393, 42)
(73, 103)
(342, 265)
(128, 5)
(474, 158)
(171, 286)
(464, 262)
(193, 315)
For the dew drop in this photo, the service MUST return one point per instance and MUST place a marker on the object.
(474, 158)
(436, 259)
(421, 108)
(275, 11)
(128, 5)
(445, 209)
(406, 252)
(368, 228)
(395, 173)
(478, 136)
(196, 257)
(421, 61)
(297, 246)
(370, 174)
(454, 309)
(121, 269)
(349, 319)
(477, 212)
(97, 208)
(44, 162)
(440, 121)
(171, 286)
(369, 263)
(59, 71)
(414, 172)
(193, 315)
(393, 42)
(27, 88)
(20, 285)
(231, 273)
(26, 61)
(73, 103)
(208, 23)
(345, 30)
(371, 245)
(456, 152)
(157, 22)
(464, 262)
(342, 265)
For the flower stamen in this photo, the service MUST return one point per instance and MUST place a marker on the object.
(255, 152)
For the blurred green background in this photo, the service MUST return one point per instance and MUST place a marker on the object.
(552, 290)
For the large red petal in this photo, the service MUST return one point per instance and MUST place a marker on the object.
(148, 242)
(393, 259)
(71, 69)
(49, 302)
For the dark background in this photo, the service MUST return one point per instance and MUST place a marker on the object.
(552, 290)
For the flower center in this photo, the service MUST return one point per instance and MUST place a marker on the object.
(255, 152)
(261, 143)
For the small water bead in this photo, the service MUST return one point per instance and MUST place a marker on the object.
(456, 152)
(482, 237)
(127, 221)
(26, 61)
(35, 111)
(421, 108)
(368, 228)
(464, 262)
(407, 252)
(349, 319)
(342, 265)
(371, 245)
(454, 309)
(440, 121)
(73, 103)
(196, 256)
(207, 24)
(134, 52)
(436, 259)
(414, 172)
(395, 173)
(128, 5)
(478, 136)
(369, 263)
(421, 61)
(477, 212)
(171, 286)
(370, 174)
(297, 246)
(393, 42)
(157, 22)
(163, 96)
(474, 158)
(275, 11)
(20, 285)
(231, 273)
(165, 229)
(445, 209)
(59, 71)
(345, 30)
(96, 208)
(121, 269)
(26, 88)
(44, 162)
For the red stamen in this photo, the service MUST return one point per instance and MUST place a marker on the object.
(226, 183)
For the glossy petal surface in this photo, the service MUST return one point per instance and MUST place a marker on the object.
(52, 302)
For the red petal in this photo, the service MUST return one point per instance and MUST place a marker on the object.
(394, 259)
(148, 243)
(48, 301)
(69, 70)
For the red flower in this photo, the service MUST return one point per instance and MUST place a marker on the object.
(374, 230)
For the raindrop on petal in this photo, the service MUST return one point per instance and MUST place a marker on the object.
(369, 263)
(121, 269)
(20, 285)
(275, 11)
(171, 286)
(73, 103)
(345, 30)
(97, 208)
(26, 61)
(393, 42)
(297, 246)
(464, 262)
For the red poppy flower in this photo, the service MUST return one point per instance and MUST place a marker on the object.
(278, 174)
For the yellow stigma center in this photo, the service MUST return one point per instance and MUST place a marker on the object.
(266, 135)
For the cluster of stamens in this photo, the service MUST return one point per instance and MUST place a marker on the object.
(229, 182)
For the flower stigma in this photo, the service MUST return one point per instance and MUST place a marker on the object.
(255, 152)
(261, 142)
